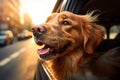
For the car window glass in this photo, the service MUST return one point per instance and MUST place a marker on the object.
(114, 31)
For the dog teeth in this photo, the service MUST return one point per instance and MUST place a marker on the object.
(42, 46)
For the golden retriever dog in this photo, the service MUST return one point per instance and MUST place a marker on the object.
(68, 51)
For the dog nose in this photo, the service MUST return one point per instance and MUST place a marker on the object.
(38, 30)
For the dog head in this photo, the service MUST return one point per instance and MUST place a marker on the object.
(65, 32)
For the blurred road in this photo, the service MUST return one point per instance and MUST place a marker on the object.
(18, 61)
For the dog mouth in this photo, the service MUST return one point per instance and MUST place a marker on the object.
(48, 52)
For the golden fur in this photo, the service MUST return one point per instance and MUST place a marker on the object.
(82, 35)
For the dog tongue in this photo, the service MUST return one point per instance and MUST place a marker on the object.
(43, 51)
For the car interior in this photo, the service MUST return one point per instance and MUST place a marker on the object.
(109, 17)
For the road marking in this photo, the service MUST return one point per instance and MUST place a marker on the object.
(11, 57)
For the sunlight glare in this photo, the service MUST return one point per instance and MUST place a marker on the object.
(38, 9)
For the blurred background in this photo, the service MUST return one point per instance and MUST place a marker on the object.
(17, 48)
(17, 15)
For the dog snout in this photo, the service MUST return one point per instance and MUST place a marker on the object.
(38, 30)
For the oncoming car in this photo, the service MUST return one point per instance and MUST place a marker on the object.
(6, 37)
(25, 34)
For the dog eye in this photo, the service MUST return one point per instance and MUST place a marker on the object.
(65, 22)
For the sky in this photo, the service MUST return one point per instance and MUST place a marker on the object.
(37, 9)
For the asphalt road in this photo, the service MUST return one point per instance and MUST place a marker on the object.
(18, 61)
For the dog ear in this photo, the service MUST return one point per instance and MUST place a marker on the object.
(93, 37)
(93, 34)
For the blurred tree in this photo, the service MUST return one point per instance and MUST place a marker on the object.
(27, 21)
